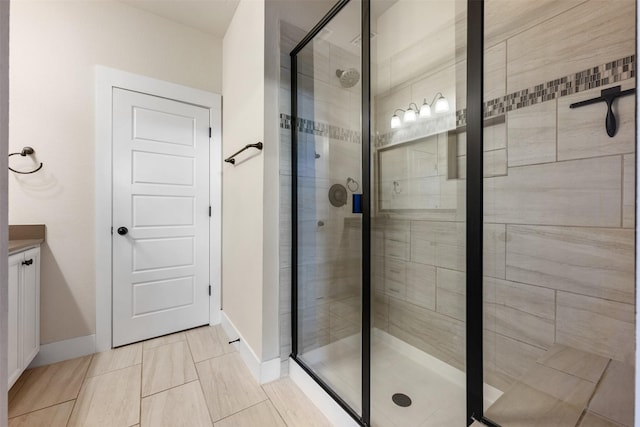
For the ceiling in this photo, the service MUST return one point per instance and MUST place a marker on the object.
(210, 16)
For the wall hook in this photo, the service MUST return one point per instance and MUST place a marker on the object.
(608, 96)
(26, 151)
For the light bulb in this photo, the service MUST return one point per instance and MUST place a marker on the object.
(395, 122)
(442, 105)
(425, 110)
(410, 115)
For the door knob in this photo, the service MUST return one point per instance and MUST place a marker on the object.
(123, 230)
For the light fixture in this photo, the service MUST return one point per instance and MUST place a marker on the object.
(442, 105)
(395, 120)
(412, 113)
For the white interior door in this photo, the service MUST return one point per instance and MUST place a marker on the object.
(160, 216)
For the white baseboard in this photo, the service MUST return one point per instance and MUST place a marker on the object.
(263, 372)
(64, 350)
(334, 413)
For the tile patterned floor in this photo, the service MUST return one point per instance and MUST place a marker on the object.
(191, 378)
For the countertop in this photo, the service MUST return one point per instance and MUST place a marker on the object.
(19, 245)
(22, 237)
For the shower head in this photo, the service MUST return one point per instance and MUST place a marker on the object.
(348, 78)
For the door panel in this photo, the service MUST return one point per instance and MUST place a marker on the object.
(13, 344)
(161, 195)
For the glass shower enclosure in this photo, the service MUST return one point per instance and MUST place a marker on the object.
(463, 224)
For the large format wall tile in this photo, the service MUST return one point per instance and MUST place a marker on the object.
(629, 191)
(451, 293)
(588, 261)
(560, 46)
(581, 131)
(421, 285)
(493, 253)
(580, 192)
(522, 15)
(596, 326)
(441, 244)
(532, 134)
(522, 312)
(440, 336)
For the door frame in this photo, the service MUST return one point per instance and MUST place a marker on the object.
(105, 80)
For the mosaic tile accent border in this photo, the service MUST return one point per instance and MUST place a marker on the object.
(321, 129)
(602, 75)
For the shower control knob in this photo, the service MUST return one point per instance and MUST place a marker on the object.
(122, 230)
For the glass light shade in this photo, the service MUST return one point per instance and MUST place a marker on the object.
(395, 122)
(442, 105)
(425, 110)
(410, 115)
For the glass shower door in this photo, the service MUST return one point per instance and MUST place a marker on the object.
(418, 251)
(559, 202)
(328, 236)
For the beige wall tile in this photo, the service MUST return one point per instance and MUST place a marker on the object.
(108, 400)
(396, 244)
(205, 343)
(588, 261)
(115, 359)
(581, 131)
(579, 363)
(532, 54)
(614, 398)
(49, 385)
(495, 71)
(228, 386)
(183, 405)
(522, 312)
(494, 137)
(441, 244)
(421, 285)
(595, 325)
(534, 300)
(166, 366)
(441, 336)
(380, 308)
(532, 134)
(515, 358)
(522, 15)
(263, 414)
(555, 194)
(53, 416)
(451, 293)
(294, 407)
(495, 163)
(494, 242)
(629, 191)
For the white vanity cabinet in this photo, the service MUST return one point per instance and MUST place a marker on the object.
(24, 310)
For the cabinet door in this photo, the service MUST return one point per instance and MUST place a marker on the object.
(30, 306)
(13, 344)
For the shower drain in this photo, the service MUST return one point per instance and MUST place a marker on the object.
(401, 399)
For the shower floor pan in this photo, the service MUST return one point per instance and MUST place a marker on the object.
(436, 389)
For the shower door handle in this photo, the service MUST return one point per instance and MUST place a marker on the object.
(356, 205)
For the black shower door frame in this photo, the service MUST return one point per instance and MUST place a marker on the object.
(474, 216)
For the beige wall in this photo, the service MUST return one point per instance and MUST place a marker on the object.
(4, 133)
(242, 205)
(55, 46)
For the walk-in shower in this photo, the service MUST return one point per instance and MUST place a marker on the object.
(490, 272)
